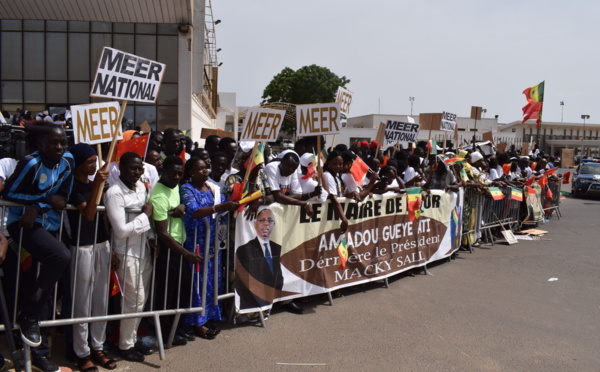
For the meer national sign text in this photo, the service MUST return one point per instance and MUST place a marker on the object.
(95, 123)
(318, 119)
(126, 76)
(397, 131)
(344, 98)
(262, 124)
(448, 122)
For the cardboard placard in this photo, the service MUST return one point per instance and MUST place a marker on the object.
(95, 122)
(145, 127)
(318, 119)
(125, 76)
(221, 133)
(525, 149)
(397, 131)
(502, 147)
(344, 98)
(488, 136)
(448, 122)
(430, 121)
(262, 124)
(567, 158)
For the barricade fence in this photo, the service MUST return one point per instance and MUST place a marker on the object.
(91, 274)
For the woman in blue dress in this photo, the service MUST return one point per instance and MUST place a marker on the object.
(203, 200)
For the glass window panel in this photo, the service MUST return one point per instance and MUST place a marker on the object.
(35, 92)
(56, 56)
(12, 92)
(56, 92)
(79, 57)
(167, 29)
(33, 56)
(167, 95)
(167, 117)
(145, 28)
(145, 46)
(12, 66)
(124, 28)
(145, 113)
(167, 53)
(79, 26)
(123, 42)
(56, 26)
(98, 42)
(9, 24)
(101, 27)
(79, 93)
(31, 25)
(128, 118)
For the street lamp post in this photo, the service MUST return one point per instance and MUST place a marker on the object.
(562, 110)
(584, 117)
(412, 100)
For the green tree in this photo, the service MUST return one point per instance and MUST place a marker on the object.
(308, 84)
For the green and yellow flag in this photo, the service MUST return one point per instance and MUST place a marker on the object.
(516, 194)
(413, 195)
(343, 253)
(496, 193)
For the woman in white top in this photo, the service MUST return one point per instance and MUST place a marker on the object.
(334, 185)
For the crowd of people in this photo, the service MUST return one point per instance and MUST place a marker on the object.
(178, 187)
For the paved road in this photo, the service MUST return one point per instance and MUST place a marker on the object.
(493, 310)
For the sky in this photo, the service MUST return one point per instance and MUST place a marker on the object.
(449, 55)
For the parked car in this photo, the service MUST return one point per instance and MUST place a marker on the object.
(586, 180)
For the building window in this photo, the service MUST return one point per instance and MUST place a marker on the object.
(53, 63)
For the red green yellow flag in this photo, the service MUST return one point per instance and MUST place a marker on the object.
(496, 193)
(516, 194)
(452, 161)
(413, 195)
(343, 253)
(506, 169)
(535, 101)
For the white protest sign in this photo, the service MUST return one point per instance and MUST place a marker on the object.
(448, 122)
(318, 119)
(126, 76)
(397, 131)
(262, 124)
(95, 123)
(344, 98)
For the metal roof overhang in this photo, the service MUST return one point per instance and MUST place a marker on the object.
(133, 11)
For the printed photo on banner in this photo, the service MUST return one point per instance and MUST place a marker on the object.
(318, 119)
(344, 98)
(262, 124)
(96, 122)
(125, 76)
(448, 122)
(397, 131)
(387, 235)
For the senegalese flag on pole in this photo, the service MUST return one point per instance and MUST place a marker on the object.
(535, 101)
(516, 194)
(413, 195)
(256, 158)
(496, 193)
(343, 253)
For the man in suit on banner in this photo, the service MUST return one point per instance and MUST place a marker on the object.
(258, 276)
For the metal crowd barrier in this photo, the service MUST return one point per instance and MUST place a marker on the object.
(65, 306)
(554, 187)
(481, 214)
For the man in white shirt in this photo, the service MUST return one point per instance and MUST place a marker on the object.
(283, 180)
(130, 231)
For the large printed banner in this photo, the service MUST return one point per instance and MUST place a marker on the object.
(126, 76)
(318, 119)
(262, 124)
(283, 254)
(96, 122)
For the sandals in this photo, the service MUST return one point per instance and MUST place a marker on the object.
(99, 357)
(86, 365)
(205, 332)
(214, 328)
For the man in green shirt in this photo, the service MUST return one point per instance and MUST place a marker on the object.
(173, 276)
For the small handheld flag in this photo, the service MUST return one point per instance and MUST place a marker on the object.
(343, 253)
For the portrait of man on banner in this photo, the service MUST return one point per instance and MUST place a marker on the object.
(258, 274)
